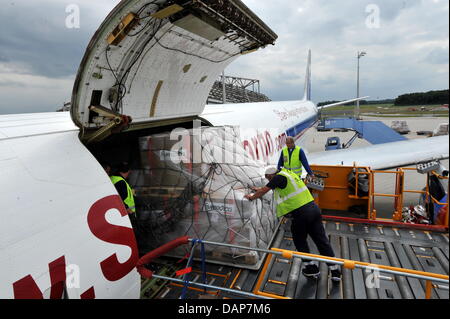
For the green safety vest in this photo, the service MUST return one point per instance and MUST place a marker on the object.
(130, 198)
(293, 163)
(294, 196)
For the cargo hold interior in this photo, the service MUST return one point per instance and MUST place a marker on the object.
(124, 147)
(201, 197)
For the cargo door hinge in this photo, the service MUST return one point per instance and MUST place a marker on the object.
(116, 124)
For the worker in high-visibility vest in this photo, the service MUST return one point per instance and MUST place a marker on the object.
(293, 158)
(294, 201)
(118, 178)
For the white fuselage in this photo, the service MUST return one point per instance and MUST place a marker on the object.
(63, 222)
(265, 126)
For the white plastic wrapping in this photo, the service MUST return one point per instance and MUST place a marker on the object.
(201, 195)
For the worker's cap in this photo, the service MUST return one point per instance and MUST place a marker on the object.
(270, 170)
(123, 167)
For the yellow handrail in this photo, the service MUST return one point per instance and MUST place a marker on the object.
(348, 264)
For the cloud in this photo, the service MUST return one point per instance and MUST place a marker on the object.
(403, 49)
(40, 55)
(38, 37)
(438, 56)
(23, 92)
(407, 48)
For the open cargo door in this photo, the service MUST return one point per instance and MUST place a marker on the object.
(154, 62)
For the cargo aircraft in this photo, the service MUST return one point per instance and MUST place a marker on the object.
(149, 68)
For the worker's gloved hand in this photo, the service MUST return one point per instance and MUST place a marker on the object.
(249, 196)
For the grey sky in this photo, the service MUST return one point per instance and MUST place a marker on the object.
(408, 49)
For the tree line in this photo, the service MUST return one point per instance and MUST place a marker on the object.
(426, 98)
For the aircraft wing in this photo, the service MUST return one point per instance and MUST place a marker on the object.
(342, 102)
(388, 155)
(25, 125)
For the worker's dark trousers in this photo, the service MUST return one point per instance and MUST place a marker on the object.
(307, 220)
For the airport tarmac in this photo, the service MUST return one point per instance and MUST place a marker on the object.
(384, 183)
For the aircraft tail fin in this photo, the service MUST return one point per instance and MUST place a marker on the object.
(307, 94)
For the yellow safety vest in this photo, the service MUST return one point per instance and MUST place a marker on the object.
(292, 163)
(293, 196)
(130, 198)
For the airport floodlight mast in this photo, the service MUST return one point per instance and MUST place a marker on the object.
(224, 93)
(360, 55)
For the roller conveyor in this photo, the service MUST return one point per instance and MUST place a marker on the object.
(387, 245)
(384, 245)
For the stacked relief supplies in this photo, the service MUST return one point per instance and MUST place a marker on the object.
(192, 183)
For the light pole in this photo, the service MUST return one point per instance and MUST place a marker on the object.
(224, 92)
(360, 55)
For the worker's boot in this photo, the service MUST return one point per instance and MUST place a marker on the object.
(311, 271)
(335, 273)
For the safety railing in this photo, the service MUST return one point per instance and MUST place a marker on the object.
(352, 264)
(151, 256)
(371, 213)
(432, 280)
(403, 190)
(398, 194)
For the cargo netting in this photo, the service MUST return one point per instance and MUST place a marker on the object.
(194, 186)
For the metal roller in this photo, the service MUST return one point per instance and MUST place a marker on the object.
(401, 281)
(347, 277)
(441, 258)
(294, 274)
(372, 293)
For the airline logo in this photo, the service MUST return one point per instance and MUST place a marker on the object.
(265, 145)
(111, 268)
(297, 113)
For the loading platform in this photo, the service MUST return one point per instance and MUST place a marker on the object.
(281, 278)
(379, 258)
(382, 245)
